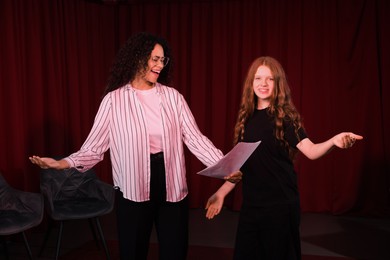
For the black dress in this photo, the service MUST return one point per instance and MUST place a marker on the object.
(269, 218)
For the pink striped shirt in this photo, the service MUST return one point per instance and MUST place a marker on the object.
(120, 126)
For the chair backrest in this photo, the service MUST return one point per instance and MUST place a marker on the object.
(69, 184)
(3, 185)
(19, 210)
(6, 197)
(10, 199)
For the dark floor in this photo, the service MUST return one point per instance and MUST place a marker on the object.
(322, 235)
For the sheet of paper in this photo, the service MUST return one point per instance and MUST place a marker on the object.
(232, 161)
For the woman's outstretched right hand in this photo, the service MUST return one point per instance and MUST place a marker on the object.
(45, 162)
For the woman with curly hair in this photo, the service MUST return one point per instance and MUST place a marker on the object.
(268, 226)
(144, 124)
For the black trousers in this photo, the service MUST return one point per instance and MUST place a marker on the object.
(135, 221)
(268, 233)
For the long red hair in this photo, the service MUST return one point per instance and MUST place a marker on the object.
(281, 105)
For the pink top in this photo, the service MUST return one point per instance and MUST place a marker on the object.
(120, 125)
(150, 102)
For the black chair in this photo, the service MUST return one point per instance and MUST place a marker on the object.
(19, 211)
(70, 195)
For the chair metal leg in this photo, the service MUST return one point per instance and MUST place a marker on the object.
(4, 242)
(59, 239)
(102, 238)
(27, 246)
(92, 227)
(47, 235)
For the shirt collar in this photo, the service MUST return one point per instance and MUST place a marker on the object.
(157, 86)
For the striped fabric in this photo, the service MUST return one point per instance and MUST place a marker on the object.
(120, 126)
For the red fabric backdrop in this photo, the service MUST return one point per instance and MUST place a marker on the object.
(55, 58)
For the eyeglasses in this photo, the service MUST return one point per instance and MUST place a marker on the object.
(163, 60)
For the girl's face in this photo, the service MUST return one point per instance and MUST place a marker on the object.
(156, 63)
(263, 86)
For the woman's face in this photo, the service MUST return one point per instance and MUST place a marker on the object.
(263, 86)
(155, 64)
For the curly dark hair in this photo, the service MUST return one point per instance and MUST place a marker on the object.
(281, 107)
(133, 57)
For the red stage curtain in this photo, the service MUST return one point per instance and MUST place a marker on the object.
(55, 58)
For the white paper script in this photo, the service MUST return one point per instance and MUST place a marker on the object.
(231, 162)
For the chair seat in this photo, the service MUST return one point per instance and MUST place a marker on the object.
(12, 221)
(80, 208)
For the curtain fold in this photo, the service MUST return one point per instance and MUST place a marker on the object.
(56, 56)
